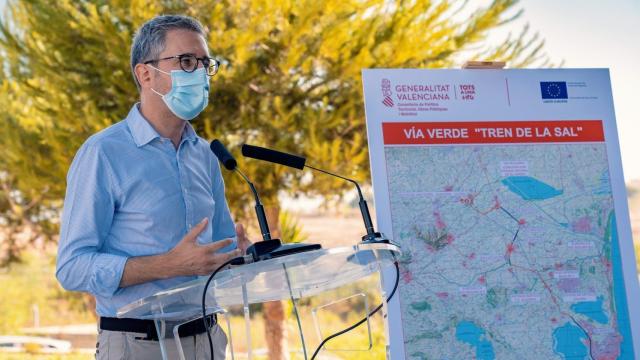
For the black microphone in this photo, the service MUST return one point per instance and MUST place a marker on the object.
(267, 248)
(230, 163)
(278, 157)
(223, 155)
(298, 162)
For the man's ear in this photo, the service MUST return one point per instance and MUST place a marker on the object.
(143, 74)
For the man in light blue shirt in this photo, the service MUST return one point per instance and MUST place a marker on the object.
(145, 208)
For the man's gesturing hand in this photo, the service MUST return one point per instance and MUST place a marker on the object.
(186, 259)
(243, 240)
(191, 258)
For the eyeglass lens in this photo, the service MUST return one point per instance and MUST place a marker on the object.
(189, 63)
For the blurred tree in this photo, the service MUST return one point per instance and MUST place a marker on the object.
(290, 80)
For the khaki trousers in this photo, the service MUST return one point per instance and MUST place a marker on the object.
(116, 345)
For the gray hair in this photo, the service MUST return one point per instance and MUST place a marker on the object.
(149, 40)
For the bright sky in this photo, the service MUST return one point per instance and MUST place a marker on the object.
(598, 34)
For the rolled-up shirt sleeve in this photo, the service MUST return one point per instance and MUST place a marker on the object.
(88, 212)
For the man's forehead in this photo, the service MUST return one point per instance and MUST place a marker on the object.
(180, 41)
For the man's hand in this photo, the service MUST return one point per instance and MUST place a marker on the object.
(185, 259)
(191, 258)
(243, 240)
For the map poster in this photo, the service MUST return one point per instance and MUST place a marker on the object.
(505, 190)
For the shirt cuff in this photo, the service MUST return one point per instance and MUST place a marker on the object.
(107, 273)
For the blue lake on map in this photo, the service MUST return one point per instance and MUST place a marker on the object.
(591, 309)
(530, 188)
(469, 333)
(568, 342)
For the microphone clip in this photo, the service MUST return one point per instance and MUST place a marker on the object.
(274, 248)
(375, 238)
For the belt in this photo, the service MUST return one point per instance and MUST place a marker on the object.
(148, 327)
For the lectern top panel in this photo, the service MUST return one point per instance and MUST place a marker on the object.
(309, 273)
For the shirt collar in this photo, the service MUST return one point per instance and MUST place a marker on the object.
(189, 133)
(143, 133)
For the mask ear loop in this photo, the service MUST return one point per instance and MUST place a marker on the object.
(152, 89)
(155, 68)
(162, 71)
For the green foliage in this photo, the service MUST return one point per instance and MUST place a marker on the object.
(290, 229)
(290, 78)
(23, 221)
(32, 282)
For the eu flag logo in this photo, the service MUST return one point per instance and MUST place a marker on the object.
(554, 90)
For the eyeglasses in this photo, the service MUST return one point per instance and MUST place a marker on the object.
(189, 63)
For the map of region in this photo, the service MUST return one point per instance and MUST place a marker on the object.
(509, 252)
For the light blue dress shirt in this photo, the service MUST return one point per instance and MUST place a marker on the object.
(131, 193)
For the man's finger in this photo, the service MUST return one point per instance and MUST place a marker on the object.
(219, 258)
(232, 254)
(215, 246)
(240, 232)
(243, 241)
(196, 230)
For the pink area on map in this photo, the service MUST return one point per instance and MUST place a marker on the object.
(496, 203)
(407, 276)
(448, 188)
(450, 238)
(582, 225)
(608, 348)
(569, 285)
(482, 280)
(442, 295)
(510, 249)
(440, 225)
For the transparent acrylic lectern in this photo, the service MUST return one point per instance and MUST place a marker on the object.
(286, 278)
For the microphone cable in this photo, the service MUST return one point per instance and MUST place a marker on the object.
(240, 260)
(395, 287)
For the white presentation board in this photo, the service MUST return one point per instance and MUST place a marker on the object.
(504, 189)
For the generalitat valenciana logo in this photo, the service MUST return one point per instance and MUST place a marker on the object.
(386, 93)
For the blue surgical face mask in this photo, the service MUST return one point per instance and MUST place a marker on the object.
(189, 93)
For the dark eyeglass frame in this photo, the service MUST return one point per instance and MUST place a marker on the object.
(210, 64)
